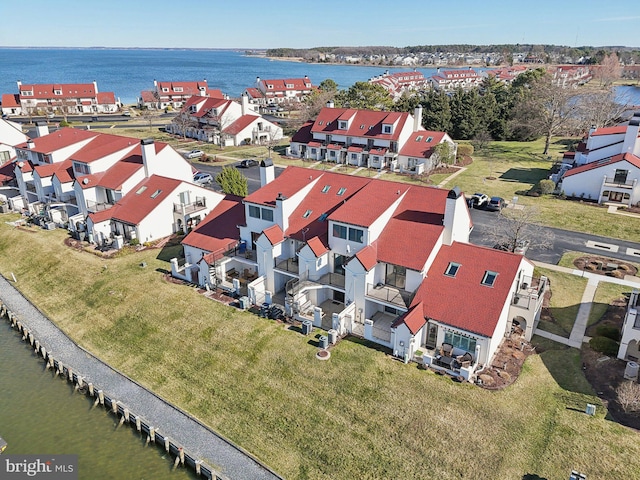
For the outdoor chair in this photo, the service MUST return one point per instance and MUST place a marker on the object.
(446, 349)
(465, 360)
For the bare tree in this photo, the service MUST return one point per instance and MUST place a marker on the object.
(272, 139)
(149, 116)
(514, 228)
(609, 70)
(481, 139)
(629, 396)
(600, 108)
(221, 122)
(183, 122)
(546, 110)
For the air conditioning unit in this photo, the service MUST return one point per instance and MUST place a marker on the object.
(50, 225)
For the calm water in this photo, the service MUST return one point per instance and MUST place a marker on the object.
(41, 414)
(128, 72)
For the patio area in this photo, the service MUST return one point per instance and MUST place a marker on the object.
(382, 325)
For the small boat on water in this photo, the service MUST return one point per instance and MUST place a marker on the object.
(3, 444)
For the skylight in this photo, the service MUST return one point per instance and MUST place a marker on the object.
(323, 217)
(141, 190)
(156, 193)
(452, 269)
(429, 139)
(489, 278)
(419, 138)
(307, 213)
(341, 191)
(320, 122)
(326, 188)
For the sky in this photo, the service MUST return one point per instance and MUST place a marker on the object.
(263, 24)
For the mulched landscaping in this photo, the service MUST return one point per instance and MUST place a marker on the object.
(604, 266)
(507, 363)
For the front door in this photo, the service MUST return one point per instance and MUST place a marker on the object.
(615, 196)
(432, 336)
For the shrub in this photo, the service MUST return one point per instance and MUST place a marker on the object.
(629, 396)
(134, 242)
(64, 123)
(604, 345)
(465, 149)
(546, 186)
(608, 331)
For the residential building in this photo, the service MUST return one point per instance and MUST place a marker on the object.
(63, 98)
(224, 122)
(10, 136)
(386, 261)
(448, 80)
(417, 154)
(606, 167)
(366, 138)
(570, 76)
(630, 341)
(266, 92)
(507, 74)
(175, 94)
(397, 83)
(11, 104)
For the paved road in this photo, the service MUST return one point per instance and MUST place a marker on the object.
(252, 174)
(196, 438)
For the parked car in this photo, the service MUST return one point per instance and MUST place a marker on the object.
(194, 154)
(496, 204)
(521, 246)
(201, 178)
(478, 200)
(248, 162)
(51, 115)
(126, 113)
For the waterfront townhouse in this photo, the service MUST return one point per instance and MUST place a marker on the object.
(449, 80)
(630, 342)
(418, 154)
(224, 122)
(175, 94)
(10, 135)
(268, 92)
(365, 138)
(64, 98)
(397, 83)
(386, 261)
(606, 165)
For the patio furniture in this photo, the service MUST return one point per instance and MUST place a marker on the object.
(446, 349)
(465, 360)
(449, 363)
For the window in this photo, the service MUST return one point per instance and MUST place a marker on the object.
(326, 188)
(452, 269)
(178, 89)
(342, 125)
(57, 92)
(313, 151)
(354, 156)
(605, 193)
(489, 278)
(419, 138)
(460, 341)
(339, 231)
(81, 168)
(254, 211)
(355, 235)
(267, 214)
(386, 129)
(156, 193)
(323, 217)
(141, 190)
(307, 213)
(332, 153)
(429, 139)
(4, 156)
(165, 89)
(320, 122)
(27, 93)
(270, 87)
(620, 176)
(289, 85)
(341, 191)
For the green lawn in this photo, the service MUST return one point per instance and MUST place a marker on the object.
(361, 414)
(566, 295)
(605, 294)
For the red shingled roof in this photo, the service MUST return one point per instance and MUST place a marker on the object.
(65, 175)
(280, 85)
(620, 129)
(60, 139)
(364, 123)
(317, 247)
(106, 98)
(288, 182)
(368, 257)
(417, 145)
(102, 145)
(7, 172)
(10, 100)
(240, 124)
(413, 319)
(274, 234)
(148, 96)
(69, 90)
(187, 88)
(49, 169)
(220, 228)
(462, 301)
(627, 157)
(303, 135)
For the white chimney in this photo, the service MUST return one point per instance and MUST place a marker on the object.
(148, 156)
(245, 104)
(330, 104)
(19, 84)
(281, 215)
(42, 129)
(95, 86)
(267, 172)
(456, 218)
(31, 144)
(417, 118)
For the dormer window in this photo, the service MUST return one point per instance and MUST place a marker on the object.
(177, 89)
(270, 87)
(387, 129)
(57, 92)
(452, 269)
(289, 85)
(165, 89)
(489, 278)
(342, 125)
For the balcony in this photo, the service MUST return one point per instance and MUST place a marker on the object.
(389, 294)
(530, 293)
(186, 208)
(288, 265)
(618, 182)
(98, 206)
(30, 187)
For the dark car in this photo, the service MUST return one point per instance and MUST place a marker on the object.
(496, 204)
(247, 163)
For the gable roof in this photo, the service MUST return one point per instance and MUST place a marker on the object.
(68, 90)
(317, 247)
(303, 135)
(274, 234)
(281, 85)
(367, 257)
(462, 301)
(219, 229)
(101, 145)
(364, 123)
(49, 169)
(10, 100)
(186, 88)
(240, 124)
(605, 162)
(59, 139)
(289, 182)
(420, 144)
(413, 319)
(114, 177)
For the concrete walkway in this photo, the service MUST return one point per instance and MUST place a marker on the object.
(451, 177)
(197, 439)
(577, 336)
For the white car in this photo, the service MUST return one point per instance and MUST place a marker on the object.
(478, 200)
(201, 178)
(126, 113)
(194, 154)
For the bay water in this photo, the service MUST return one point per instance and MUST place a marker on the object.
(41, 414)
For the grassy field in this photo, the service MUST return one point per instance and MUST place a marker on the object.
(605, 294)
(566, 294)
(362, 414)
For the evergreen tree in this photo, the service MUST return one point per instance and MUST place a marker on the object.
(436, 112)
(233, 182)
(365, 96)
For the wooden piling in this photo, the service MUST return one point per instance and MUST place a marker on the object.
(101, 397)
(37, 342)
(198, 469)
(70, 374)
(167, 444)
(91, 389)
(181, 455)
(114, 407)
(138, 425)
(152, 434)
(125, 414)
(31, 339)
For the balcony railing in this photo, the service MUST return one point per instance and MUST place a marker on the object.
(184, 208)
(288, 265)
(530, 292)
(389, 294)
(30, 187)
(612, 181)
(98, 206)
